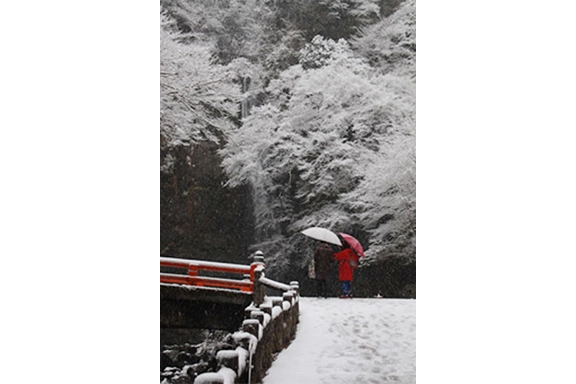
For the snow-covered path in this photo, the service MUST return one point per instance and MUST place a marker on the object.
(350, 341)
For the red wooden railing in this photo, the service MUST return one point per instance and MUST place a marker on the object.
(192, 267)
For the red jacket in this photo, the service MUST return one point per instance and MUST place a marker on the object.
(345, 270)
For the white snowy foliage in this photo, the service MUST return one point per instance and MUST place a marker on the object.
(197, 96)
(320, 52)
(390, 45)
(334, 147)
(385, 201)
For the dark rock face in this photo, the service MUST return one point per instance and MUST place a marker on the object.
(181, 363)
(200, 218)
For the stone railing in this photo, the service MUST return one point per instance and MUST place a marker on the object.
(268, 328)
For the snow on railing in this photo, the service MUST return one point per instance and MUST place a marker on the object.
(274, 284)
(269, 326)
(267, 329)
(256, 284)
(270, 322)
(192, 267)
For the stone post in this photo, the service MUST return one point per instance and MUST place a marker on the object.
(228, 358)
(251, 326)
(259, 257)
(267, 308)
(258, 315)
(256, 271)
(243, 341)
(288, 296)
(286, 319)
(295, 287)
(277, 301)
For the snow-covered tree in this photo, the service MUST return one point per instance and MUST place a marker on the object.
(329, 139)
(306, 152)
(384, 202)
(198, 97)
(390, 44)
(333, 19)
(321, 51)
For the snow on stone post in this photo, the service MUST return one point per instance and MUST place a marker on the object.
(251, 326)
(256, 270)
(288, 297)
(275, 327)
(277, 301)
(295, 287)
(258, 315)
(228, 358)
(209, 378)
(266, 308)
(243, 339)
(286, 318)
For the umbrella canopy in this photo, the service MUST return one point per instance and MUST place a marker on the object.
(354, 243)
(322, 234)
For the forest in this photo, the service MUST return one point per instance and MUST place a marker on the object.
(279, 115)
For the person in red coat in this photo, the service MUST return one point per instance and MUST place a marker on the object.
(347, 263)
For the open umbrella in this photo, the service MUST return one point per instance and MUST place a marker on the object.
(354, 243)
(322, 234)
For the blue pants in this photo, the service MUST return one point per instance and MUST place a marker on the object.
(346, 287)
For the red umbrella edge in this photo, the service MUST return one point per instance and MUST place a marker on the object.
(353, 242)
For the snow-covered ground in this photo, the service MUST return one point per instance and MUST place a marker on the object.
(350, 341)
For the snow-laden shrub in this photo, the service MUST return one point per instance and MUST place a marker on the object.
(320, 52)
